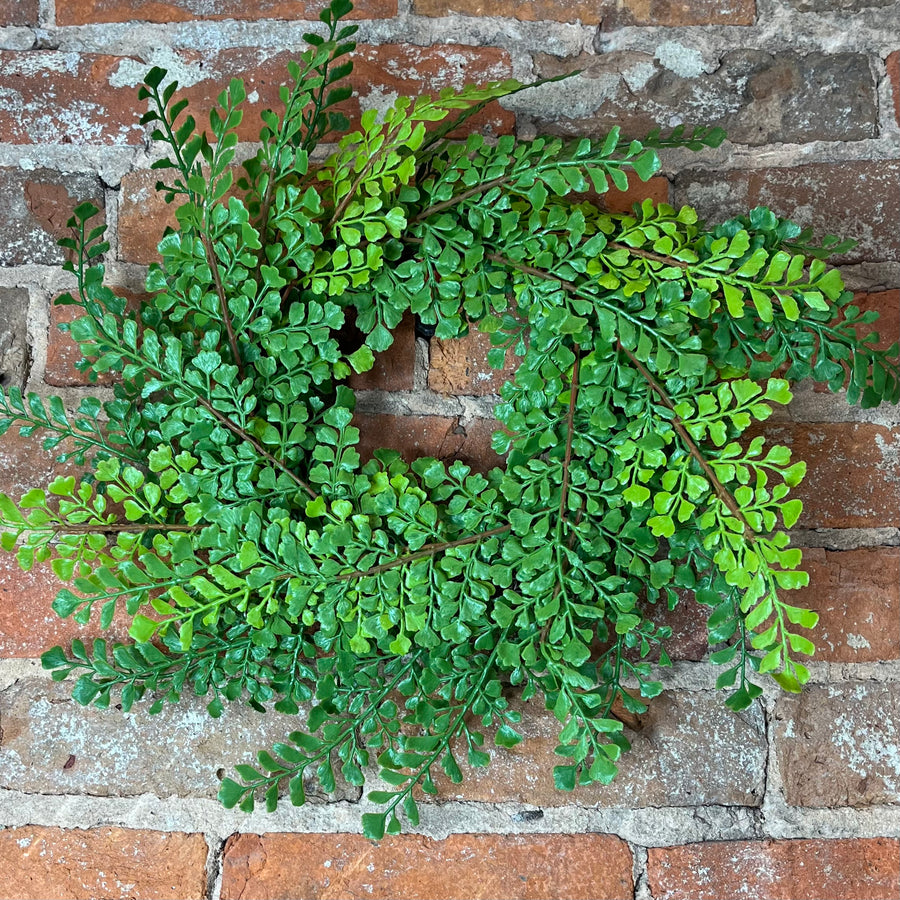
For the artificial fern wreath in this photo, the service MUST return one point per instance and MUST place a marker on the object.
(222, 501)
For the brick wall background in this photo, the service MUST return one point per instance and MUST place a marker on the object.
(797, 797)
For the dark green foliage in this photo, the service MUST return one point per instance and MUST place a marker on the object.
(259, 559)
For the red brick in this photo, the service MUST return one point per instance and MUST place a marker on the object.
(63, 353)
(588, 12)
(409, 867)
(691, 750)
(893, 72)
(442, 437)
(460, 366)
(87, 12)
(680, 12)
(887, 305)
(28, 625)
(143, 216)
(656, 189)
(80, 864)
(851, 199)
(394, 369)
(866, 869)
(857, 596)
(19, 12)
(853, 472)
(34, 209)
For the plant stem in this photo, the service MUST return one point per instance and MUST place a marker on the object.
(460, 198)
(721, 491)
(223, 300)
(427, 550)
(646, 254)
(570, 430)
(116, 527)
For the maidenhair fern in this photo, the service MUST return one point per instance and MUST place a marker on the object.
(393, 606)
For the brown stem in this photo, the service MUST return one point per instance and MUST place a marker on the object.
(262, 224)
(721, 491)
(348, 197)
(255, 444)
(426, 550)
(459, 198)
(647, 254)
(567, 462)
(570, 429)
(530, 270)
(223, 301)
(123, 526)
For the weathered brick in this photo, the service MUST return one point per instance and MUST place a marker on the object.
(86, 12)
(125, 754)
(839, 745)
(40, 862)
(588, 12)
(680, 12)
(692, 750)
(394, 369)
(380, 74)
(460, 366)
(55, 97)
(893, 71)
(63, 352)
(19, 12)
(51, 97)
(24, 463)
(410, 867)
(853, 472)
(757, 97)
(34, 209)
(442, 437)
(592, 12)
(688, 623)
(13, 336)
(859, 200)
(857, 596)
(777, 870)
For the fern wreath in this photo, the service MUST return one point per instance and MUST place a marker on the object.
(220, 499)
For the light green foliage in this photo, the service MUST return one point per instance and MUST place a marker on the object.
(226, 509)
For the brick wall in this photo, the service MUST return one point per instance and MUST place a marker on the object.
(797, 797)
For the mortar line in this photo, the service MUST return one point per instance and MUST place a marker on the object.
(639, 872)
(651, 826)
(214, 866)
